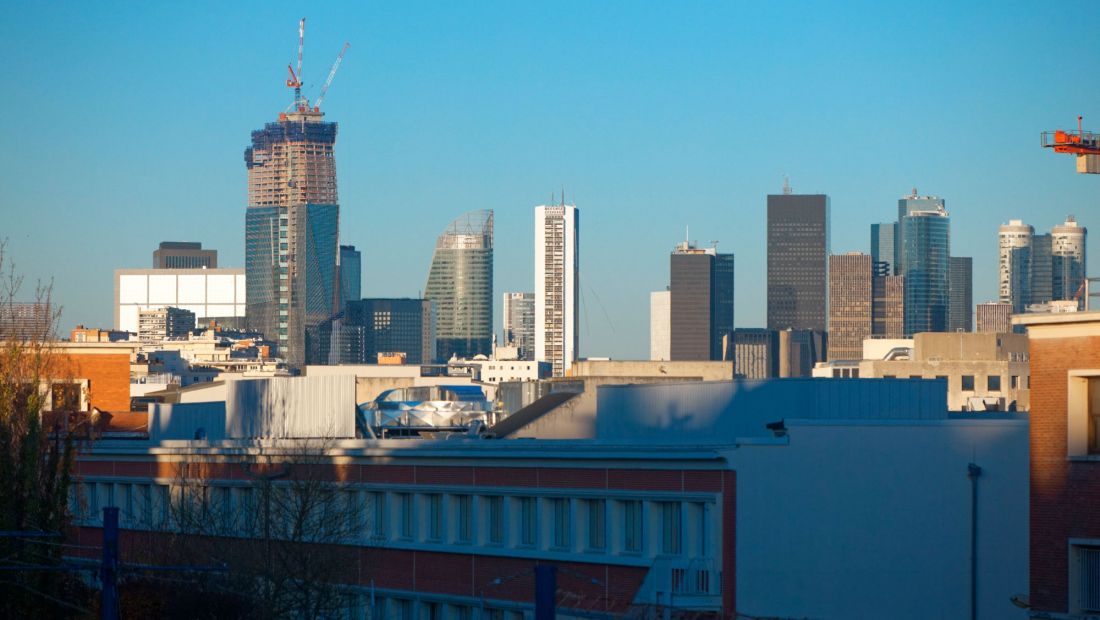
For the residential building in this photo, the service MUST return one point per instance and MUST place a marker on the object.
(372, 327)
(700, 303)
(884, 249)
(994, 317)
(1068, 264)
(351, 274)
(982, 371)
(292, 235)
(1014, 264)
(94, 334)
(217, 295)
(798, 248)
(33, 321)
(184, 255)
(460, 286)
(925, 235)
(660, 320)
(960, 294)
(557, 281)
(519, 323)
(164, 324)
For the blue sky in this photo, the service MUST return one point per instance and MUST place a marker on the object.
(124, 125)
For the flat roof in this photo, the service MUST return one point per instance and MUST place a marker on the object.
(1056, 318)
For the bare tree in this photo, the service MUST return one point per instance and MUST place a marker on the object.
(38, 414)
(281, 530)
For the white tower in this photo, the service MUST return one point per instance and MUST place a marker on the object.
(556, 280)
(1015, 264)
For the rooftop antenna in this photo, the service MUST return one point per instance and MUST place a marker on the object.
(786, 185)
(563, 195)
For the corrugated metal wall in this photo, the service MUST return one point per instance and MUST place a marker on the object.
(187, 421)
(291, 407)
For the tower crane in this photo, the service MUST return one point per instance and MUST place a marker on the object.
(331, 74)
(1085, 145)
(295, 79)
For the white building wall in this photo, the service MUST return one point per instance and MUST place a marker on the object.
(556, 267)
(660, 330)
(872, 520)
(206, 292)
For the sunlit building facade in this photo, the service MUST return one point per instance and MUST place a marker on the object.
(460, 285)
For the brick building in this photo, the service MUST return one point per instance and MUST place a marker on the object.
(1065, 464)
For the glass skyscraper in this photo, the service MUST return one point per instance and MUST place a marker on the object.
(798, 250)
(291, 235)
(460, 286)
(925, 252)
(351, 274)
(884, 258)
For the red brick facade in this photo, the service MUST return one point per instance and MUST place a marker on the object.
(1065, 494)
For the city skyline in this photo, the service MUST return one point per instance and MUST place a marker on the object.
(714, 167)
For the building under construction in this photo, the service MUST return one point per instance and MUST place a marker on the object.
(292, 227)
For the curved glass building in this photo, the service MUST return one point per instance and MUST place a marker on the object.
(926, 248)
(460, 286)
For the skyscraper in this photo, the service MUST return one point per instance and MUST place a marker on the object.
(519, 323)
(1014, 266)
(798, 247)
(1042, 269)
(291, 233)
(907, 205)
(373, 326)
(351, 274)
(884, 256)
(557, 271)
(861, 304)
(184, 255)
(460, 285)
(960, 308)
(925, 234)
(701, 304)
(659, 326)
(1068, 259)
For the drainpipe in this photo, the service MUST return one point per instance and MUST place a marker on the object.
(972, 472)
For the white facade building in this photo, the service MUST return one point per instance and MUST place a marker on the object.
(660, 332)
(556, 281)
(209, 293)
(1015, 263)
(519, 323)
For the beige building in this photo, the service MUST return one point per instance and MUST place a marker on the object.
(861, 304)
(984, 371)
(702, 370)
(994, 317)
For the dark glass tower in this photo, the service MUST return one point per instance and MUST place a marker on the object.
(351, 274)
(460, 285)
(924, 257)
(701, 304)
(960, 313)
(798, 249)
(884, 256)
(291, 235)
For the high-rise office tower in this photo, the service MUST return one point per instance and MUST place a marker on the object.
(351, 274)
(519, 323)
(659, 326)
(1068, 259)
(925, 235)
(961, 294)
(884, 256)
(1042, 269)
(374, 326)
(861, 304)
(1014, 267)
(798, 248)
(291, 234)
(557, 271)
(184, 255)
(460, 285)
(701, 304)
(911, 204)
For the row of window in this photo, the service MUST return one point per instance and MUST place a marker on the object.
(993, 383)
(565, 524)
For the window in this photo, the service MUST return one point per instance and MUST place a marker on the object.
(888, 376)
(405, 505)
(993, 383)
(671, 530)
(968, 383)
(597, 523)
(65, 397)
(632, 526)
(435, 516)
(462, 529)
(915, 377)
(1014, 382)
(378, 515)
(562, 523)
(496, 520)
(1085, 578)
(528, 521)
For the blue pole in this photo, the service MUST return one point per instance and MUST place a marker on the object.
(546, 588)
(108, 572)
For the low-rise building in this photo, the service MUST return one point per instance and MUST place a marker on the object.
(168, 323)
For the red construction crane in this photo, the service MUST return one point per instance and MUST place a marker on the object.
(295, 79)
(1085, 145)
(331, 74)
